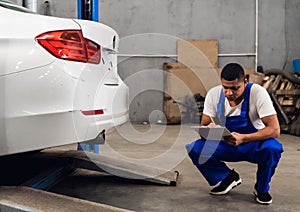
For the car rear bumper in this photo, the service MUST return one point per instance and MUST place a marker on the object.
(49, 130)
(43, 107)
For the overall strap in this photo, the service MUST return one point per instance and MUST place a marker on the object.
(221, 109)
(245, 105)
(244, 109)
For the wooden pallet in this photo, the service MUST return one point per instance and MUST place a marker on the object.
(286, 98)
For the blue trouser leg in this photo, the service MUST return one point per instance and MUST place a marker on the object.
(267, 156)
(208, 156)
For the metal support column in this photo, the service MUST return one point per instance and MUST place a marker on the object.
(95, 13)
(88, 10)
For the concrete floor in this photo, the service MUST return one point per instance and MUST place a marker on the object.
(163, 146)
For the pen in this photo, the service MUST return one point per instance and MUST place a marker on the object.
(212, 120)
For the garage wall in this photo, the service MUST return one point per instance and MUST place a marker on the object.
(66, 9)
(154, 26)
(231, 22)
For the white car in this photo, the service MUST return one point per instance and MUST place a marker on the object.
(58, 81)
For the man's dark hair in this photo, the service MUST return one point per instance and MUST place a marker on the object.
(233, 71)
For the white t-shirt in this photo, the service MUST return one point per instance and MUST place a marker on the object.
(260, 105)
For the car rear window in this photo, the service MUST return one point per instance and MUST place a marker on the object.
(10, 5)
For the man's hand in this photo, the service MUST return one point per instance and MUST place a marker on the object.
(234, 140)
(271, 130)
(211, 124)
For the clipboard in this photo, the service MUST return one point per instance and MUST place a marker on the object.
(213, 132)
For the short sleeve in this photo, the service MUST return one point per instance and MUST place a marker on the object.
(211, 101)
(261, 98)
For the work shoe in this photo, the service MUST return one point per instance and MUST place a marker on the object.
(231, 181)
(262, 197)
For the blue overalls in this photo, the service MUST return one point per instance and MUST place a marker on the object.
(208, 156)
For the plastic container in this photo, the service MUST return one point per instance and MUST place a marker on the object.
(296, 65)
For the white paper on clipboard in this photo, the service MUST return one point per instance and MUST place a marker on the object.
(213, 132)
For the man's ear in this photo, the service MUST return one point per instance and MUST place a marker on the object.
(246, 78)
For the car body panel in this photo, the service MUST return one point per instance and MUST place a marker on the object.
(42, 97)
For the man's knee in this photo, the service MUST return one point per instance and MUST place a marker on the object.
(273, 146)
(271, 151)
(194, 150)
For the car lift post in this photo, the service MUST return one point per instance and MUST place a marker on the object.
(88, 10)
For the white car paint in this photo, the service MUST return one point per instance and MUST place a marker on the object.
(41, 96)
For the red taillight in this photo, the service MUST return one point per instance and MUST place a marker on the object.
(70, 45)
(92, 112)
(93, 51)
